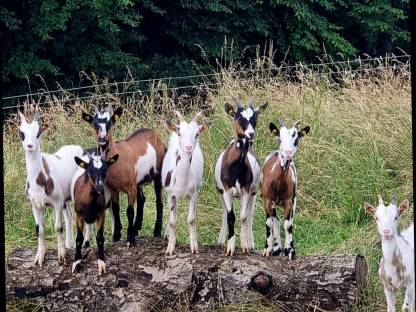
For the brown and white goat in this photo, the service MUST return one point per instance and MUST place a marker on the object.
(278, 188)
(48, 183)
(397, 264)
(141, 158)
(91, 197)
(237, 174)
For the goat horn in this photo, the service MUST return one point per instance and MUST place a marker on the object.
(36, 117)
(89, 155)
(237, 102)
(109, 108)
(197, 116)
(296, 123)
(251, 102)
(180, 116)
(95, 109)
(281, 123)
(22, 116)
(380, 200)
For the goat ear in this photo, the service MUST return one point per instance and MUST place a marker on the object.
(202, 128)
(172, 126)
(80, 162)
(369, 209)
(303, 132)
(403, 206)
(113, 159)
(262, 107)
(273, 129)
(117, 114)
(87, 117)
(229, 109)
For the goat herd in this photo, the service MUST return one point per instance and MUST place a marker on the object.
(94, 178)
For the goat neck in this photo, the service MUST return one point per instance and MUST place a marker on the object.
(284, 163)
(34, 164)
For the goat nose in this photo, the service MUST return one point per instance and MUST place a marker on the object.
(289, 152)
(251, 135)
(29, 146)
(386, 232)
(188, 148)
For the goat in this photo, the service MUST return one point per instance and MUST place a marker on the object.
(48, 184)
(91, 197)
(278, 187)
(237, 174)
(397, 264)
(141, 157)
(182, 173)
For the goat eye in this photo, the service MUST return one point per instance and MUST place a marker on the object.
(296, 142)
(22, 135)
(38, 135)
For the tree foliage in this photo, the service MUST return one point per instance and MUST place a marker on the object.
(58, 39)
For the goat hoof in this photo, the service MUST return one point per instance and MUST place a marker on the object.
(116, 237)
(39, 260)
(290, 252)
(77, 267)
(277, 252)
(101, 267)
(131, 241)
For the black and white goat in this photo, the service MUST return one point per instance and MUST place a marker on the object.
(397, 264)
(48, 183)
(141, 158)
(91, 197)
(278, 187)
(182, 171)
(237, 174)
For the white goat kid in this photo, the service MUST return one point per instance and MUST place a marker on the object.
(48, 184)
(182, 173)
(397, 264)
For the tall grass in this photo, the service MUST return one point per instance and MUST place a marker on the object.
(359, 146)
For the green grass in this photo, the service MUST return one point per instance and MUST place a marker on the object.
(360, 145)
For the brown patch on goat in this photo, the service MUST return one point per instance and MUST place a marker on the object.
(45, 183)
(397, 262)
(278, 187)
(122, 175)
(168, 177)
(387, 280)
(239, 131)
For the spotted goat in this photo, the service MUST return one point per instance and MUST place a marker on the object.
(278, 188)
(397, 263)
(237, 174)
(141, 157)
(91, 197)
(182, 174)
(48, 183)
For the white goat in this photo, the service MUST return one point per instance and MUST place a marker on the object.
(48, 184)
(182, 173)
(397, 264)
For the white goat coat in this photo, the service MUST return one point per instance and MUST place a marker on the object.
(62, 167)
(186, 178)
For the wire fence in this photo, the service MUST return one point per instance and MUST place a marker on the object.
(345, 68)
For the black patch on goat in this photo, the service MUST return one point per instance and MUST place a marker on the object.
(230, 221)
(239, 170)
(243, 122)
